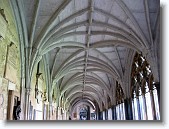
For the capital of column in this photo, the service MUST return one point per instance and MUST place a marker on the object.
(28, 90)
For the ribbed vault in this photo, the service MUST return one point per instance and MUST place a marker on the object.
(85, 43)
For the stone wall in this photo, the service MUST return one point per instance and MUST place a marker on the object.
(38, 104)
(10, 66)
(3, 98)
(9, 57)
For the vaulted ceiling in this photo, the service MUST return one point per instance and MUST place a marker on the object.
(86, 41)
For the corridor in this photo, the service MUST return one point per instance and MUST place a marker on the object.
(80, 60)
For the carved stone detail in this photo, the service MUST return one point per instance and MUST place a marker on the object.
(28, 91)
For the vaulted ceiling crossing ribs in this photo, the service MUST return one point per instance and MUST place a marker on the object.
(87, 42)
(88, 36)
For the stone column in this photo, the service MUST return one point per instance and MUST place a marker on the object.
(157, 85)
(152, 103)
(58, 113)
(65, 114)
(145, 107)
(139, 110)
(22, 99)
(50, 111)
(27, 94)
(155, 104)
(110, 114)
(98, 113)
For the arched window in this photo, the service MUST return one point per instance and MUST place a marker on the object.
(143, 91)
(109, 111)
(120, 108)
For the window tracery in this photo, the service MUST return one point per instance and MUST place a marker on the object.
(120, 108)
(144, 98)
